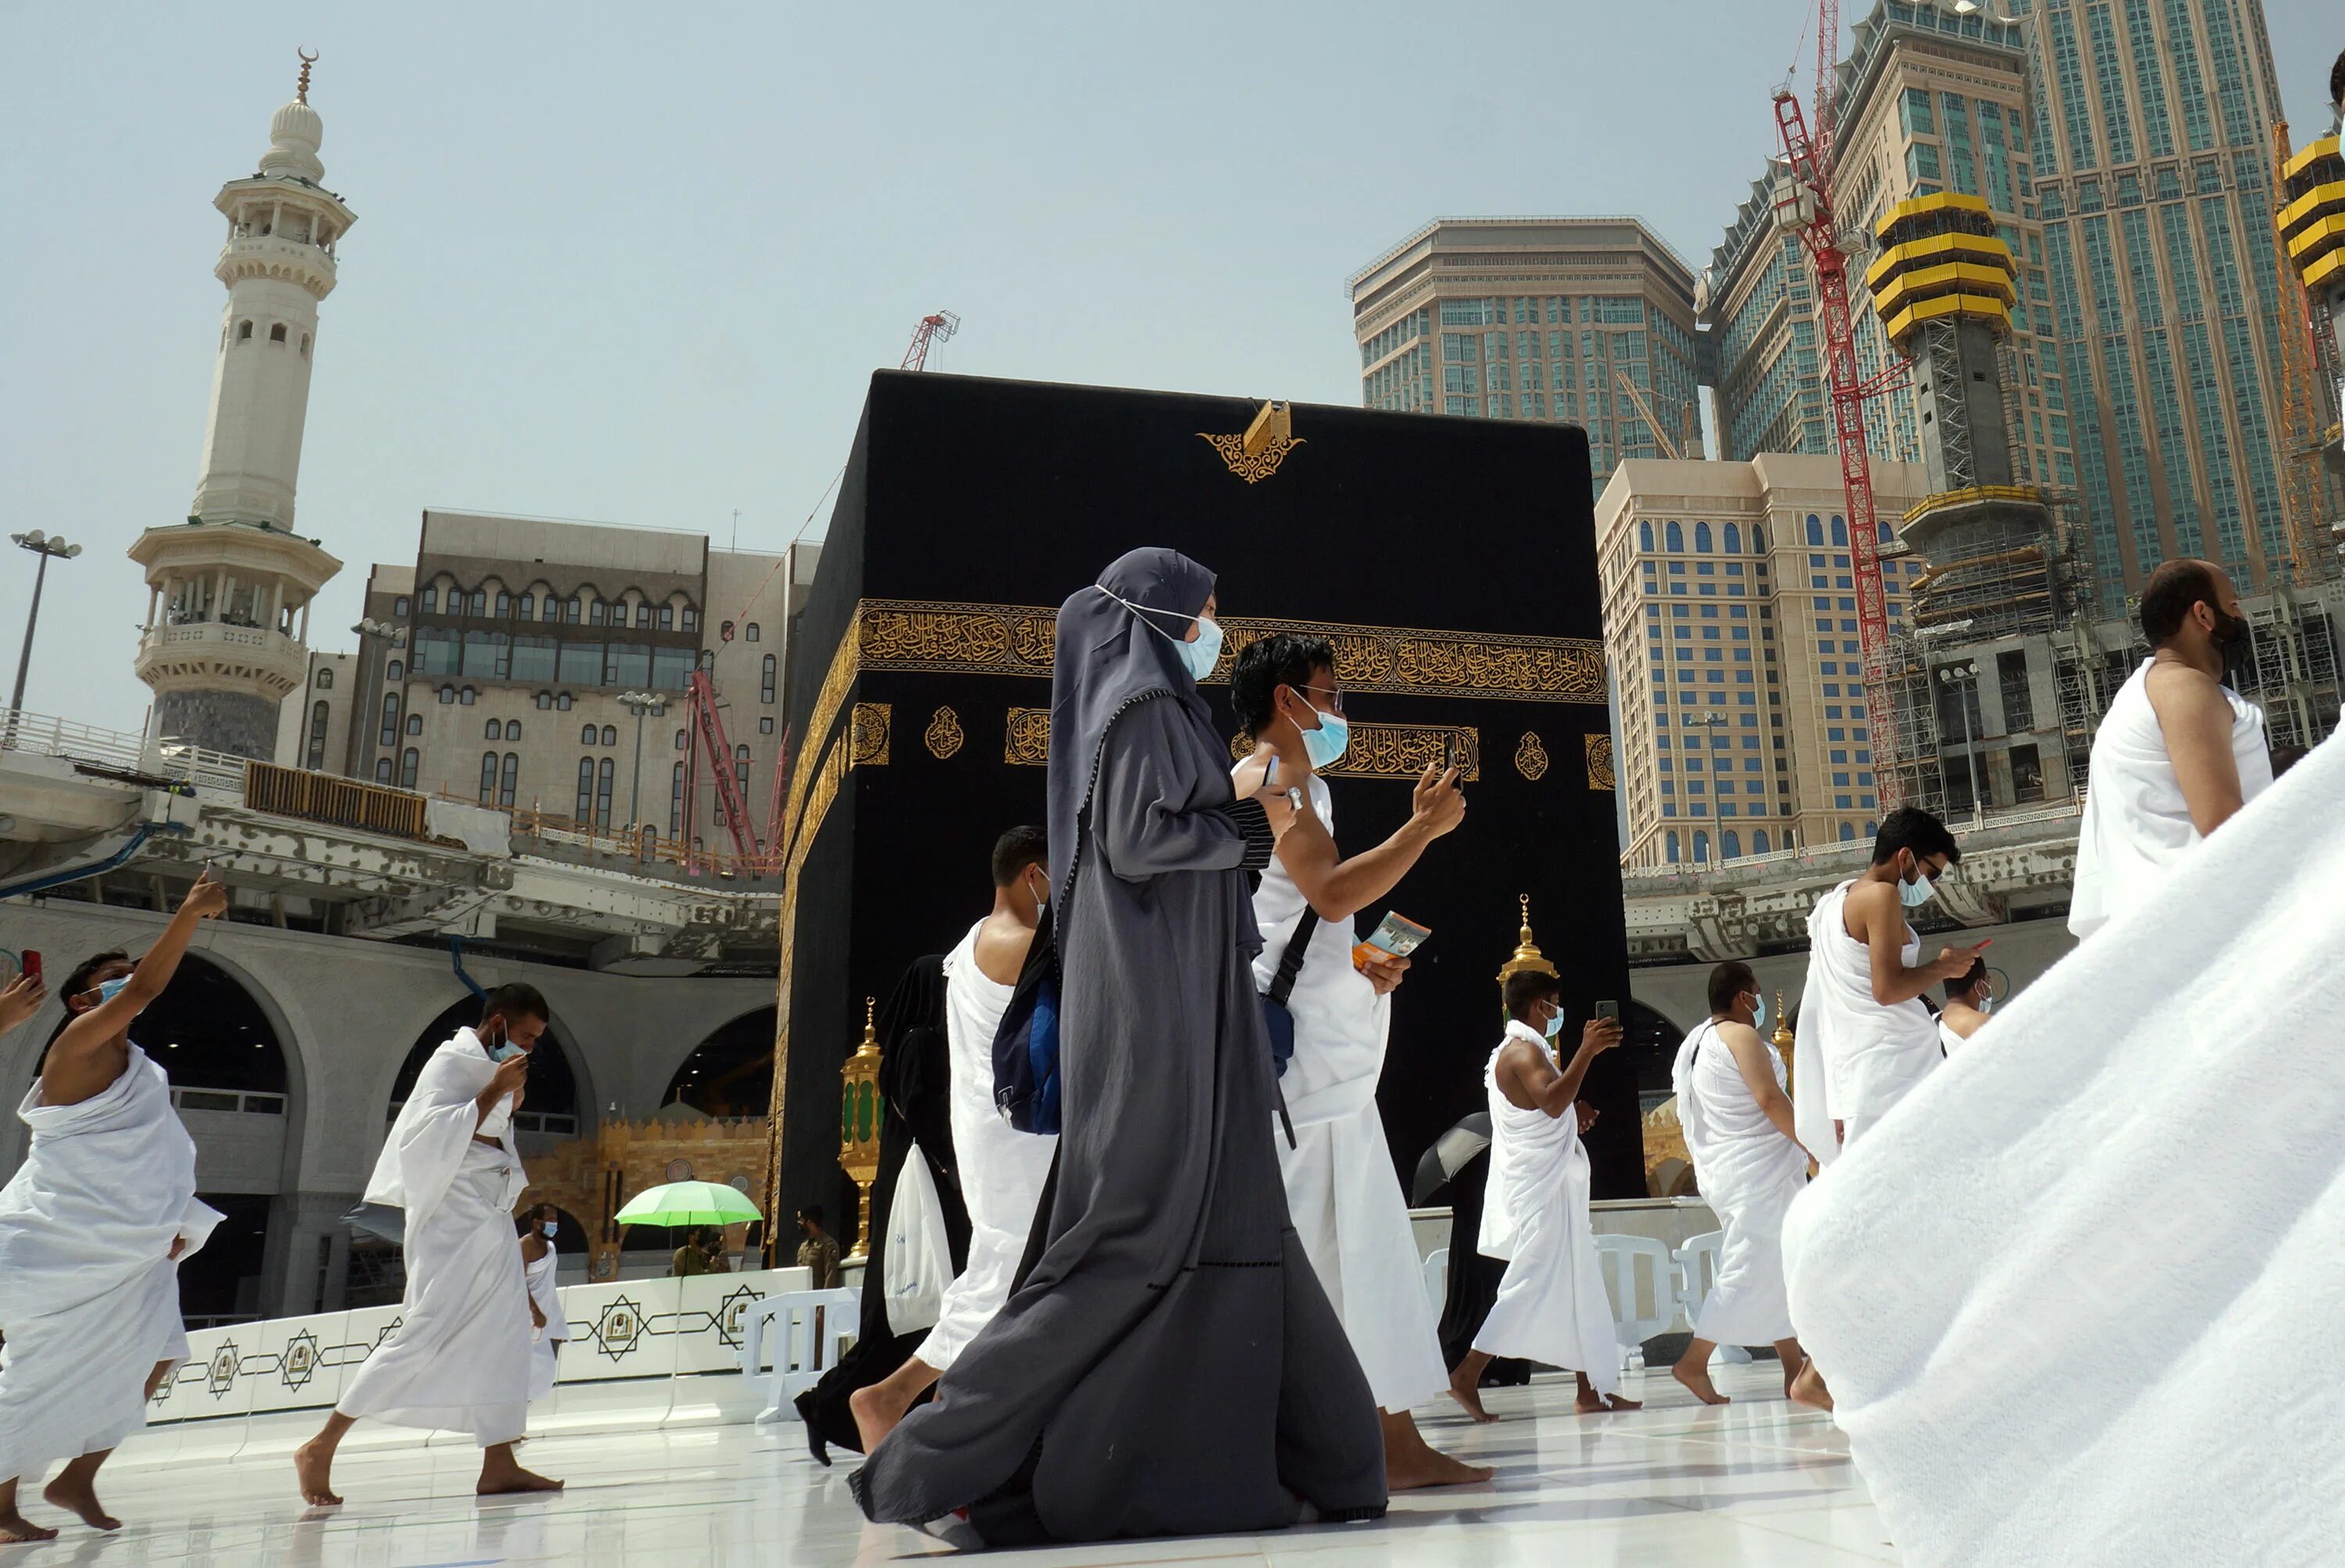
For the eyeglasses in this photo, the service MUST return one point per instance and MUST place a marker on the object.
(1335, 698)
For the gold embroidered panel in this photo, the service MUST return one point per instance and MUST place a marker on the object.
(1530, 756)
(868, 733)
(1600, 762)
(1026, 739)
(1396, 750)
(943, 737)
(1017, 639)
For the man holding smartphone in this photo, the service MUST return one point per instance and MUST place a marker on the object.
(1345, 1202)
(461, 1356)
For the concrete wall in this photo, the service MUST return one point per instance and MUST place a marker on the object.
(2021, 952)
(347, 1012)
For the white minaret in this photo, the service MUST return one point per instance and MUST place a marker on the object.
(229, 589)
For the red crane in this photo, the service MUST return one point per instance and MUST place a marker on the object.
(706, 739)
(936, 328)
(1809, 212)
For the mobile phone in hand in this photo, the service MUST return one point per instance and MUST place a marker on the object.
(31, 966)
(1608, 1013)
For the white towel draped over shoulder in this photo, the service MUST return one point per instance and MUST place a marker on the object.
(89, 1297)
(2039, 1293)
(435, 1127)
(1858, 1058)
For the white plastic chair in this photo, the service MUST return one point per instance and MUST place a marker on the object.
(1632, 1328)
(811, 1327)
(1436, 1277)
(1696, 1272)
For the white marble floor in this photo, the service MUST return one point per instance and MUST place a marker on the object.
(1758, 1481)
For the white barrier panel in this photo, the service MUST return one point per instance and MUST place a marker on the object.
(621, 1330)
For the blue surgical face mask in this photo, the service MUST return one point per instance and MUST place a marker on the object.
(111, 989)
(504, 1051)
(1323, 744)
(1553, 1026)
(1758, 1016)
(1917, 893)
(1198, 656)
(1987, 1005)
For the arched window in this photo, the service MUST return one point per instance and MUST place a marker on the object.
(586, 735)
(585, 790)
(430, 600)
(561, 703)
(596, 613)
(305, 345)
(414, 723)
(244, 332)
(741, 777)
(513, 730)
(1730, 845)
(1701, 848)
(325, 680)
(545, 699)
(488, 777)
(317, 715)
(570, 612)
(741, 753)
(1701, 538)
(752, 632)
(1815, 530)
(410, 761)
(504, 604)
(1758, 540)
(480, 601)
(1840, 531)
(447, 696)
(1645, 537)
(1848, 832)
(675, 801)
(681, 742)
(389, 736)
(765, 684)
(277, 333)
(1870, 828)
(497, 730)
(394, 670)
(691, 619)
(668, 618)
(1674, 537)
(551, 609)
(603, 794)
(643, 614)
(383, 769)
(512, 777)
(1670, 839)
(610, 735)
(1759, 842)
(1733, 539)
(525, 607)
(467, 696)
(1886, 536)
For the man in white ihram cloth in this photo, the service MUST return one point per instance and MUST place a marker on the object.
(460, 1359)
(1737, 1122)
(1551, 1306)
(2039, 1292)
(1342, 1192)
(92, 1229)
(1002, 1170)
(2177, 753)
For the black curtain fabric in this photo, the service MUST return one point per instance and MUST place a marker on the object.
(915, 1077)
(1473, 1279)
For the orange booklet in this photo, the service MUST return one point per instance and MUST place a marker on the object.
(1395, 936)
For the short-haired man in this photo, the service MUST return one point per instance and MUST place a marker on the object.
(1864, 1025)
(1342, 1195)
(1970, 997)
(460, 1359)
(92, 1229)
(818, 1252)
(1552, 1304)
(1002, 1170)
(2177, 753)
(1737, 1120)
(548, 1327)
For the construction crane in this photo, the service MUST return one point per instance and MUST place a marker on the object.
(2302, 396)
(936, 328)
(1808, 210)
(1636, 396)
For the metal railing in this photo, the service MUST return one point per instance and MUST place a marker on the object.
(2070, 810)
(247, 1102)
(644, 846)
(121, 752)
(327, 798)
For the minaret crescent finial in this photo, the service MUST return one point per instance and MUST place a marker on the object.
(302, 89)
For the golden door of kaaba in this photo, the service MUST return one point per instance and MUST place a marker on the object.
(1452, 564)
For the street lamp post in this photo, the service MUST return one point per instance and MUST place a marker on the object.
(640, 703)
(1956, 678)
(1715, 721)
(45, 545)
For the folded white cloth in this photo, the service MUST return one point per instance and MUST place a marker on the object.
(2035, 1291)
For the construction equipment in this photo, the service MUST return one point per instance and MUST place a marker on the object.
(935, 329)
(1808, 210)
(1636, 396)
(706, 737)
(2308, 196)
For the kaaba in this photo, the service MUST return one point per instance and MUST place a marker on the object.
(1452, 564)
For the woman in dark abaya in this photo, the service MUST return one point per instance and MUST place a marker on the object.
(1169, 1365)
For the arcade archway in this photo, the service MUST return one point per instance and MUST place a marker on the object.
(732, 1071)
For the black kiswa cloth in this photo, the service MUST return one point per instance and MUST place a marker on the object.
(915, 1082)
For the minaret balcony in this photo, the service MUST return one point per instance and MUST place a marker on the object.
(273, 256)
(207, 655)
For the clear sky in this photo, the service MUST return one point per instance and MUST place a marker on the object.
(635, 264)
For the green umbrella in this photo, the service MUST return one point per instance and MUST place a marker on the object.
(689, 1203)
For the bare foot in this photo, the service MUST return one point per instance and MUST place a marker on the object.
(514, 1478)
(1791, 1375)
(1592, 1403)
(1406, 1471)
(875, 1413)
(1463, 1389)
(1695, 1375)
(1808, 1388)
(15, 1530)
(77, 1496)
(313, 1468)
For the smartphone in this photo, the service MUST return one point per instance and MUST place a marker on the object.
(1607, 1011)
(31, 964)
(1450, 757)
